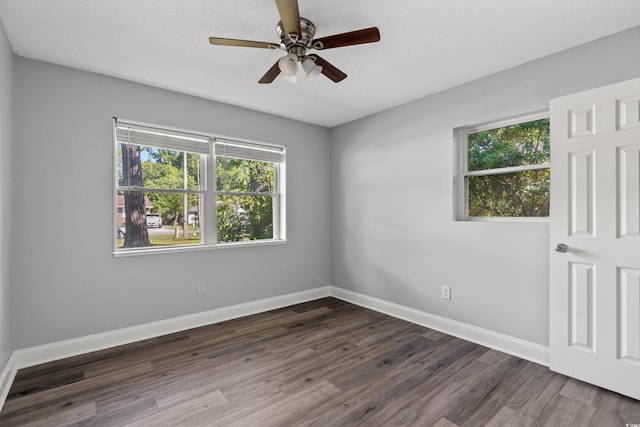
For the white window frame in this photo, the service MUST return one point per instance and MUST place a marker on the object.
(463, 174)
(226, 147)
(208, 192)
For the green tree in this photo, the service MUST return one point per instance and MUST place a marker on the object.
(241, 213)
(260, 211)
(176, 159)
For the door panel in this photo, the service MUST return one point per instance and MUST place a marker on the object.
(629, 303)
(582, 195)
(582, 326)
(595, 212)
(629, 183)
(628, 113)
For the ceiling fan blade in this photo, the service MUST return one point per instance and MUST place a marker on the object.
(366, 35)
(290, 16)
(329, 70)
(242, 43)
(270, 75)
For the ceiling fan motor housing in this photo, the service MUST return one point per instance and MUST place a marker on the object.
(300, 46)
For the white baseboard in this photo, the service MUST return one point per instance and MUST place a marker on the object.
(73, 347)
(504, 343)
(6, 379)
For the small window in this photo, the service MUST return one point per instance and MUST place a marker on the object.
(505, 169)
(181, 189)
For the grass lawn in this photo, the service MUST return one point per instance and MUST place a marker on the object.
(170, 240)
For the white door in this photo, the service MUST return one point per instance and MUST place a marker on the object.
(595, 213)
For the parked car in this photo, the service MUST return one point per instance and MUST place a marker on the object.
(120, 232)
(154, 220)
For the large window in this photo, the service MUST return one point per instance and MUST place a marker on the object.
(505, 169)
(176, 189)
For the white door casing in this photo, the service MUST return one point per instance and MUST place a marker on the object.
(595, 211)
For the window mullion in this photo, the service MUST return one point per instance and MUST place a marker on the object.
(463, 182)
(210, 222)
(275, 208)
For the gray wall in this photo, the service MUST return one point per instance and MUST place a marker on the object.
(6, 106)
(393, 233)
(66, 282)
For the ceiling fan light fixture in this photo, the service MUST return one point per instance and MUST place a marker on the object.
(290, 79)
(289, 64)
(311, 70)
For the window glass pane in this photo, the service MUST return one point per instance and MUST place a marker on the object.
(244, 218)
(517, 145)
(157, 219)
(195, 181)
(244, 176)
(518, 194)
(160, 168)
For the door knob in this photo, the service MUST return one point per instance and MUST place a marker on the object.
(562, 248)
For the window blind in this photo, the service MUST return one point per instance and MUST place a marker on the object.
(249, 150)
(127, 133)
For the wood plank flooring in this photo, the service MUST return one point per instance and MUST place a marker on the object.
(321, 363)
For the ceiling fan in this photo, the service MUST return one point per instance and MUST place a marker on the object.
(296, 38)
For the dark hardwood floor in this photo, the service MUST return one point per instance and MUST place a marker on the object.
(322, 363)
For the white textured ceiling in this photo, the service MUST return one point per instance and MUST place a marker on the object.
(426, 45)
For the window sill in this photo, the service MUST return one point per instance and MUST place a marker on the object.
(505, 219)
(194, 248)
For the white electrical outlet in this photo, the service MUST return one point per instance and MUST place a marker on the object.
(446, 292)
(200, 288)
